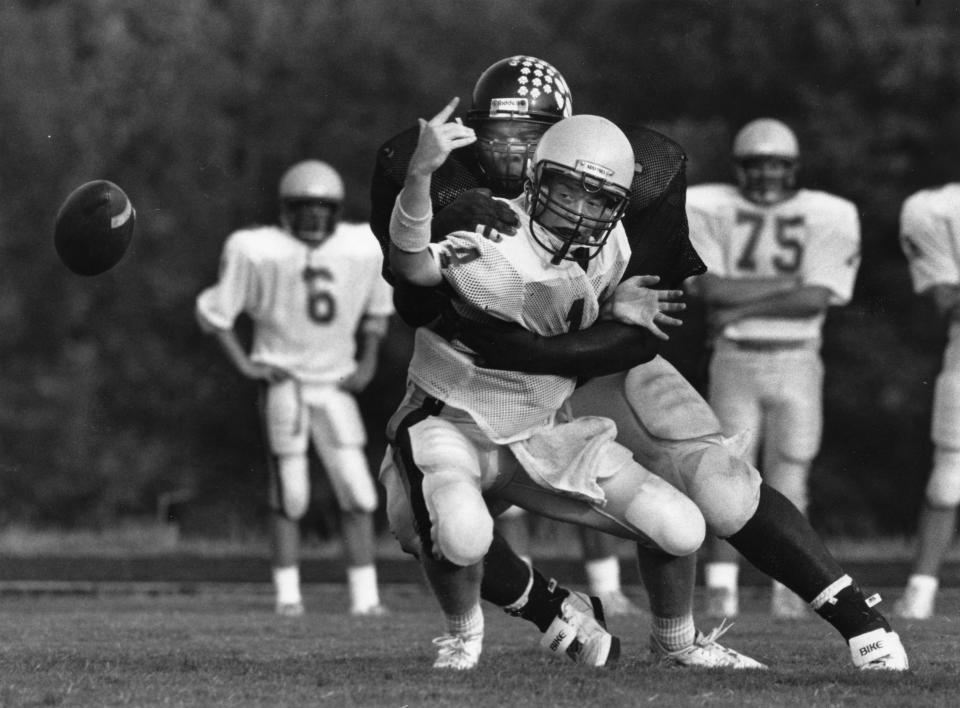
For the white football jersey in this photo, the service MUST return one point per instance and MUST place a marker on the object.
(512, 280)
(813, 236)
(930, 236)
(306, 302)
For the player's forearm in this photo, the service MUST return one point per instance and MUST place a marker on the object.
(410, 259)
(605, 348)
(734, 292)
(946, 300)
(231, 346)
(802, 302)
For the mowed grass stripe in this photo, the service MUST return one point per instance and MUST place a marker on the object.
(218, 647)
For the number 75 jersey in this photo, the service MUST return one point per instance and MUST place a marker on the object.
(306, 303)
(813, 237)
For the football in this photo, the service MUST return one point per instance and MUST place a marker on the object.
(94, 227)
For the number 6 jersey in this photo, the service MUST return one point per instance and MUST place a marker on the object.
(813, 237)
(306, 302)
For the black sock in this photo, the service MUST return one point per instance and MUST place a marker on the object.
(544, 602)
(505, 574)
(780, 542)
(850, 614)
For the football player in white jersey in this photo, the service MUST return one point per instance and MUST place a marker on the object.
(466, 434)
(778, 257)
(667, 426)
(930, 237)
(312, 288)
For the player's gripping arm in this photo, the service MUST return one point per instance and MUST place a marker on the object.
(658, 236)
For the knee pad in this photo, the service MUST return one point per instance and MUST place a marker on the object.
(724, 487)
(461, 526)
(943, 487)
(667, 404)
(294, 485)
(668, 518)
(350, 478)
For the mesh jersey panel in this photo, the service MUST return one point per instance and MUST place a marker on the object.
(507, 280)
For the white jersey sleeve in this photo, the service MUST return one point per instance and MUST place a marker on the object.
(237, 287)
(832, 255)
(706, 223)
(929, 234)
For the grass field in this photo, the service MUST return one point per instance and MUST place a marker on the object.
(220, 645)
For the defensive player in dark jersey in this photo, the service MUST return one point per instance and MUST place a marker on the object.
(659, 416)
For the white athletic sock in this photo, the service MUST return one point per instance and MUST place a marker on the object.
(469, 623)
(603, 575)
(722, 575)
(925, 584)
(674, 633)
(362, 580)
(286, 581)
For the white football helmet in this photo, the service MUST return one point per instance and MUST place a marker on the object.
(579, 186)
(766, 157)
(311, 193)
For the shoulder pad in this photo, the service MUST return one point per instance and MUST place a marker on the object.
(659, 160)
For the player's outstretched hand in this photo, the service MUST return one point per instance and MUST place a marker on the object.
(438, 138)
(471, 209)
(636, 303)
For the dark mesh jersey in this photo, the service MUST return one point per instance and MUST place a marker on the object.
(656, 221)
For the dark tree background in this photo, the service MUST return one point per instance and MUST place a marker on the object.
(111, 398)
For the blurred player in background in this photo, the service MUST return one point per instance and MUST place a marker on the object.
(659, 416)
(313, 290)
(930, 237)
(465, 431)
(778, 257)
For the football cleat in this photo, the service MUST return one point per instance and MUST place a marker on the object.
(458, 651)
(579, 631)
(705, 652)
(722, 602)
(879, 650)
(916, 604)
(371, 611)
(615, 604)
(290, 609)
(786, 604)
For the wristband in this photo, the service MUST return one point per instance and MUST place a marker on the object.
(408, 233)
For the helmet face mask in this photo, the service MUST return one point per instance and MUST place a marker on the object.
(766, 159)
(766, 180)
(514, 101)
(310, 220)
(311, 193)
(577, 212)
(579, 187)
(504, 150)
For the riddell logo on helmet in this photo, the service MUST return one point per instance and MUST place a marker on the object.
(509, 105)
(593, 169)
